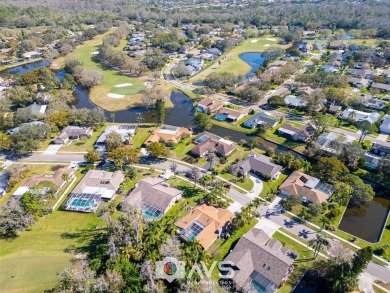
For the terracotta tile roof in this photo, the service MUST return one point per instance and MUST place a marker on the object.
(55, 178)
(210, 218)
(218, 146)
(167, 133)
(305, 186)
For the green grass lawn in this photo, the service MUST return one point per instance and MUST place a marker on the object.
(142, 133)
(303, 262)
(246, 184)
(232, 63)
(270, 187)
(112, 78)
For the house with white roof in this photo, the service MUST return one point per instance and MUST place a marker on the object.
(329, 141)
(295, 101)
(385, 126)
(356, 115)
(125, 131)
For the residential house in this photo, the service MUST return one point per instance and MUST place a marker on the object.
(204, 224)
(207, 56)
(318, 46)
(295, 101)
(260, 118)
(125, 131)
(70, 133)
(168, 133)
(381, 86)
(197, 63)
(153, 197)
(56, 178)
(362, 73)
(282, 91)
(302, 133)
(308, 187)
(221, 147)
(214, 51)
(8, 39)
(34, 109)
(191, 70)
(31, 55)
(355, 115)
(330, 68)
(260, 165)
(103, 183)
(337, 45)
(16, 129)
(334, 109)
(359, 82)
(260, 263)
(4, 177)
(329, 141)
(375, 155)
(207, 105)
(385, 126)
(308, 33)
(305, 91)
(374, 103)
(230, 114)
(305, 47)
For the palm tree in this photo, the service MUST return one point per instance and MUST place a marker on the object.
(65, 177)
(139, 118)
(239, 221)
(318, 243)
(352, 115)
(324, 221)
(174, 168)
(112, 115)
(195, 174)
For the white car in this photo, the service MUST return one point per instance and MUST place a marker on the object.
(166, 175)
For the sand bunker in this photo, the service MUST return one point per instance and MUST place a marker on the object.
(124, 85)
(270, 39)
(149, 85)
(266, 45)
(115, 96)
(254, 41)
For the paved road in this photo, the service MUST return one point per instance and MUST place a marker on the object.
(56, 157)
(274, 215)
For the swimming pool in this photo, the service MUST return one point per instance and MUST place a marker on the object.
(81, 203)
(220, 118)
(150, 215)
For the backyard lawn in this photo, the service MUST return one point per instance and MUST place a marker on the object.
(84, 145)
(33, 261)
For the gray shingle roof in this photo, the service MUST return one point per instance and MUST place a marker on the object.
(256, 252)
(259, 164)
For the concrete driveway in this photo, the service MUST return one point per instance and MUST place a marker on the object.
(257, 186)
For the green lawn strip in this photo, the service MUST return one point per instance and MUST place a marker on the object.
(128, 90)
(142, 133)
(83, 145)
(183, 147)
(301, 265)
(271, 187)
(232, 126)
(247, 184)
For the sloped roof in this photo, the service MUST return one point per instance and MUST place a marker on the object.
(210, 217)
(260, 164)
(297, 184)
(218, 146)
(153, 191)
(256, 252)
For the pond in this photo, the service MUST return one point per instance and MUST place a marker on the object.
(366, 221)
(254, 60)
(181, 114)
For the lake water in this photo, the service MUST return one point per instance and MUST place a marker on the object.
(181, 114)
(254, 60)
(366, 221)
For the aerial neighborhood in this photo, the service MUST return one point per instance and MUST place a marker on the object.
(195, 146)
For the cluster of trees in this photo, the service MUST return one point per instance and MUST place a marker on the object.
(112, 58)
(251, 93)
(220, 80)
(340, 273)
(324, 80)
(87, 78)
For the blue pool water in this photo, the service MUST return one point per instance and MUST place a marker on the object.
(220, 118)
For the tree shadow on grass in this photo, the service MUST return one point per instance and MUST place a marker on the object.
(86, 240)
